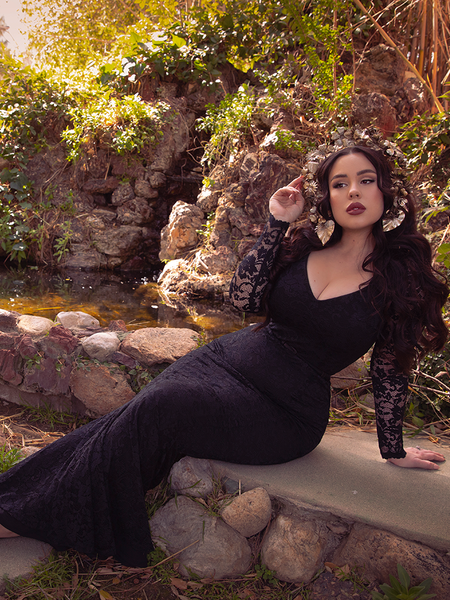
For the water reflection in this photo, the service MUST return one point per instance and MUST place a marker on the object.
(110, 296)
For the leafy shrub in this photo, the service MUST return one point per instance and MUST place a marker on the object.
(228, 123)
(125, 124)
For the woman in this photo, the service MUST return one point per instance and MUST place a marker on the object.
(260, 395)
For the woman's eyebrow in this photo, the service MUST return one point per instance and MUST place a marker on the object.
(358, 173)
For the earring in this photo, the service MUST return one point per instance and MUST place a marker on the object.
(323, 228)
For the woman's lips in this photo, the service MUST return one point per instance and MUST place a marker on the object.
(355, 208)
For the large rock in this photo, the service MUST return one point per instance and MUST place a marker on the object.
(379, 552)
(156, 345)
(181, 233)
(77, 319)
(118, 242)
(375, 109)
(101, 346)
(122, 194)
(381, 70)
(59, 342)
(8, 320)
(215, 549)
(293, 548)
(101, 389)
(34, 326)
(101, 186)
(49, 375)
(191, 477)
(135, 212)
(221, 260)
(9, 370)
(249, 513)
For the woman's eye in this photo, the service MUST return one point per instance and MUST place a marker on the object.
(368, 180)
(338, 184)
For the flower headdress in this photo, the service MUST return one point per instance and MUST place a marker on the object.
(354, 136)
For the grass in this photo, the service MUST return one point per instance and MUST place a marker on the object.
(8, 457)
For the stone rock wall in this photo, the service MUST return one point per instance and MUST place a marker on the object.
(75, 365)
(296, 542)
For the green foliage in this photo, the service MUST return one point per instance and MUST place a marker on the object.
(8, 457)
(44, 413)
(400, 590)
(62, 243)
(228, 123)
(15, 192)
(323, 40)
(426, 141)
(32, 108)
(139, 377)
(125, 124)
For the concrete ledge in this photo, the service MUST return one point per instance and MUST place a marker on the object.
(346, 476)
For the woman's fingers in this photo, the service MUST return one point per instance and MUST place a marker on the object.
(425, 454)
(418, 458)
(297, 182)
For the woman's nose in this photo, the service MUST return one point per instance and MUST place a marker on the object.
(353, 192)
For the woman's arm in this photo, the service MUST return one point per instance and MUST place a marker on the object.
(252, 276)
(390, 387)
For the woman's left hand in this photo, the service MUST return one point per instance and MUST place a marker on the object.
(418, 458)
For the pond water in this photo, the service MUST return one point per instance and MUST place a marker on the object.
(136, 300)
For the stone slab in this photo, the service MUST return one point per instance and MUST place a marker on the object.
(345, 475)
(18, 556)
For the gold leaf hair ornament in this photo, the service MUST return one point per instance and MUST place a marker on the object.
(343, 137)
(324, 228)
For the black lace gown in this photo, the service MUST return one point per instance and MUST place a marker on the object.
(251, 397)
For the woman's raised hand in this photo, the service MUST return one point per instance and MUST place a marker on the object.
(287, 203)
(418, 458)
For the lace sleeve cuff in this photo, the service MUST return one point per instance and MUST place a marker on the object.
(390, 387)
(252, 276)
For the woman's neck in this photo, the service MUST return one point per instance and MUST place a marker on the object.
(355, 246)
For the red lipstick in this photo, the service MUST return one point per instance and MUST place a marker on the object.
(355, 208)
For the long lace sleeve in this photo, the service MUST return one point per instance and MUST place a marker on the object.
(390, 387)
(252, 275)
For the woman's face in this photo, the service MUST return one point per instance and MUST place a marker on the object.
(355, 198)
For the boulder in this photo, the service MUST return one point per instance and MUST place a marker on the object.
(210, 548)
(191, 477)
(181, 233)
(49, 375)
(135, 212)
(34, 326)
(375, 109)
(122, 194)
(74, 320)
(101, 186)
(293, 548)
(101, 346)
(248, 513)
(379, 552)
(100, 388)
(381, 70)
(155, 345)
(144, 189)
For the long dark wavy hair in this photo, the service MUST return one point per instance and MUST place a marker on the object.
(405, 289)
